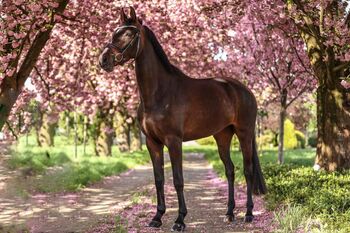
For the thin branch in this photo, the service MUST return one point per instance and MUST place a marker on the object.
(43, 80)
(34, 50)
(92, 85)
(321, 19)
(24, 11)
(276, 79)
(255, 37)
(298, 95)
(347, 19)
(299, 58)
(341, 66)
(312, 29)
(11, 130)
(73, 18)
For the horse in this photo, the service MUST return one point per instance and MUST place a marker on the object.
(175, 108)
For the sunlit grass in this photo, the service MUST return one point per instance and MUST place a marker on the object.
(57, 168)
(323, 198)
(298, 157)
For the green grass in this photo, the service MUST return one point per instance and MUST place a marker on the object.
(291, 218)
(62, 171)
(120, 225)
(298, 157)
(323, 198)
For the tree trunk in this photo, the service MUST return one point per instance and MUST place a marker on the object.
(27, 135)
(281, 136)
(122, 133)
(67, 125)
(283, 112)
(333, 109)
(75, 135)
(333, 125)
(46, 131)
(85, 133)
(11, 87)
(333, 100)
(135, 137)
(104, 135)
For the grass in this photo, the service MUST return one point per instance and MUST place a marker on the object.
(120, 225)
(299, 157)
(313, 201)
(62, 171)
(291, 218)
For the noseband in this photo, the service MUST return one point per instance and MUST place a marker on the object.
(120, 56)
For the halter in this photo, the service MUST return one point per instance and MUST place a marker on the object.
(121, 54)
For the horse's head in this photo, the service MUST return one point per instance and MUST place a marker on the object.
(125, 43)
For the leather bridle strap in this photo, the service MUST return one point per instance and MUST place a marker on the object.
(121, 54)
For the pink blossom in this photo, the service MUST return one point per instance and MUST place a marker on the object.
(345, 84)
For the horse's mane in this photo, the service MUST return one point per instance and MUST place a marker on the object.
(160, 53)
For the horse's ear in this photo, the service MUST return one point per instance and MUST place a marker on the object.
(123, 17)
(133, 14)
(140, 20)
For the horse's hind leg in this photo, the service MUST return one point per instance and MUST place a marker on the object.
(246, 139)
(156, 152)
(223, 141)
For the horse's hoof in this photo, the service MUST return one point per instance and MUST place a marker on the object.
(178, 227)
(249, 218)
(155, 224)
(229, 218)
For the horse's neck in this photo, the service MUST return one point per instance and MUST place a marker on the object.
(152, 78)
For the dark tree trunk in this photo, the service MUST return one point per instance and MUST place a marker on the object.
(333, 125)
(333, 100)
(333, 110)
(75, 135)
(85, 138)
(104, 135)
(282, 117)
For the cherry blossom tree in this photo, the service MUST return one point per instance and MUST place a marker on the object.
(24, 30)
(268, 40)
(324, 27)
(273, 60)
(67, 77)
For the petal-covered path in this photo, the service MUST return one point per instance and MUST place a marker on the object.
(128, 201)
(206, 198)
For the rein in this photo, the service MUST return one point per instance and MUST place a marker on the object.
(120, 57)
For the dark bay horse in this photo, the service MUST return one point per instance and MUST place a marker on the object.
(175, 108)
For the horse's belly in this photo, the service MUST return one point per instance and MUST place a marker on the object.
(199, 128)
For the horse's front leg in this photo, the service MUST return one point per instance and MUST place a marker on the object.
(174, 145)
(156, 152)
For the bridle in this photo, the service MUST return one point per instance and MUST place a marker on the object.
(122, 51)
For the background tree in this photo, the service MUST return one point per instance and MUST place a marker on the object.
(324, 28)
(24, 30)
(273, 60)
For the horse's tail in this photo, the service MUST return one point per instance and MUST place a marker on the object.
(259, 186)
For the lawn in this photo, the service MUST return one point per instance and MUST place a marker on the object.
(62, 171)
(298, 158)
(304, 199)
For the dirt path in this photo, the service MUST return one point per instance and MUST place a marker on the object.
(206, 198)
(130, 196)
